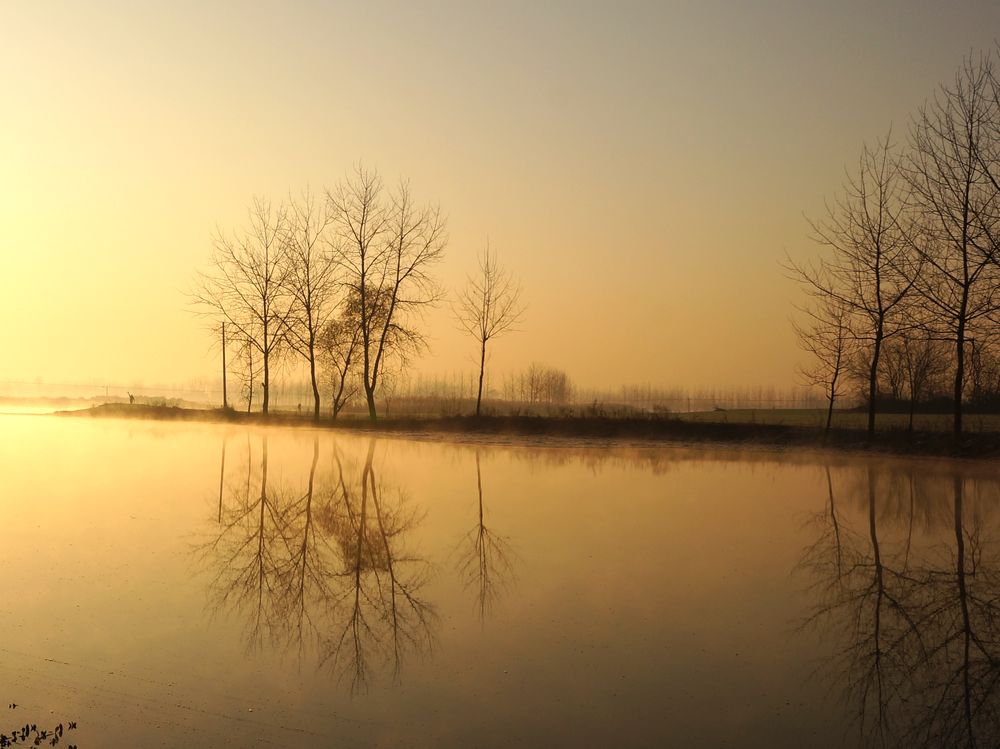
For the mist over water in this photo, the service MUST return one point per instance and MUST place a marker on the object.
(192, 585)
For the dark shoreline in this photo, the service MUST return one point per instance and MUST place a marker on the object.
(662, 431)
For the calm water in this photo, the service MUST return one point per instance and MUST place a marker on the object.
(180, 585)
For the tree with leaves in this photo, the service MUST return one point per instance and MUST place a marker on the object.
(339, 342)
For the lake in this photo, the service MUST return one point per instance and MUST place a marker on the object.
(191, 585)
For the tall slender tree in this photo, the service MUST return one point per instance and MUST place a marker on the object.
(385, 246)
(953, 139)
(310, 278)
(489, 305)
(246, 286)
(827, 338)
(870, 269)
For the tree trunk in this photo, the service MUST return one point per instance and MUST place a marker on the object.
(370, 397)
(832, 396)
(337, 395)
(873, 380)
(482, 369)
(250, 380)
(312, 375)
(267, 382)
(225, 396)
(959, 376)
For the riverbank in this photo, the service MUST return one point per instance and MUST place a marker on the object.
(665, 430)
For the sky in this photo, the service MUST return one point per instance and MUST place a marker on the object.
(642, 168)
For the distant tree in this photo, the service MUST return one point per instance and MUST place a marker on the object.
(984, 373)
(489, 305)
(826, 336)
(871, 269)
(385, 247)
(246, 286)
(915, 363)
(954, 138)
(310, 279)
(894, 370)
(541, 384)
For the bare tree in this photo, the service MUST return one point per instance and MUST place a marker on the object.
(540, 384)
(827, 338)
(246, 286)
(249, 369)
(913, 364)
(489, 305)
(952, 138)
(871, 269)
(923, 364)
(385, 246)
(310, 279)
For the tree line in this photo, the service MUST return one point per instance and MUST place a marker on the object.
(908, 293)
(339, 280)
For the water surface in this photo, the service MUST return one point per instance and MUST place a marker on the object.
(194, 585)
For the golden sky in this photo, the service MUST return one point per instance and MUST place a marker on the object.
(642, 167)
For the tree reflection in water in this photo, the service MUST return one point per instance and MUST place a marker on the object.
(911, 599)
(485, 558)
(325, 568)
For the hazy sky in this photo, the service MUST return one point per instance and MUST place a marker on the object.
(642, 167)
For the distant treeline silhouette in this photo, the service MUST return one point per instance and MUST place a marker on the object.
(547, 391)
(906, 299)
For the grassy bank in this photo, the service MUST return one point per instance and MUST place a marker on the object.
(843, 419)
(660, 430)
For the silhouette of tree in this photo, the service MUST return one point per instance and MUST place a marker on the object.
(489, 305)
(310, 279)
(914, 364)
(248, 367)
(539, 384)
(246, 287)
(385, 247)
(952, 138)
(828, 340)
(871, 270)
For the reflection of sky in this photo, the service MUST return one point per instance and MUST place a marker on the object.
(653, 604)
